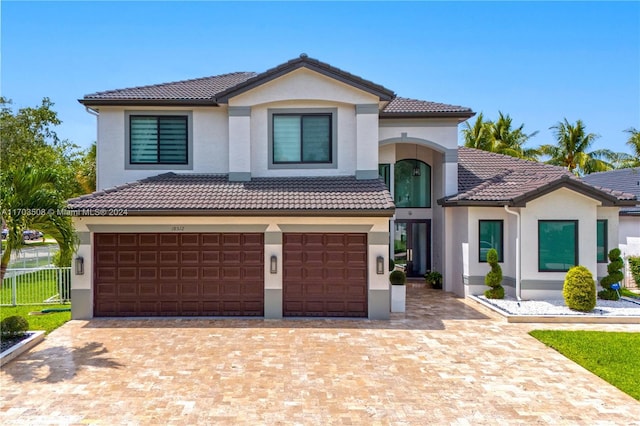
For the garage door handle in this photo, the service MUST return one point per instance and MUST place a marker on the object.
(409, 255)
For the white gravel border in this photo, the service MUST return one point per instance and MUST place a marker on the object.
(624, 307)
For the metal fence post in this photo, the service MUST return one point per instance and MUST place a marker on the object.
(14, 291)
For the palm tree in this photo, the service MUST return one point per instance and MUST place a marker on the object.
(499, 137)
(478, 135)
(571, 149)
(634, 143)
(29, 200)
(510, 141)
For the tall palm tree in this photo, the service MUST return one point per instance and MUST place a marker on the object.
(499, 137)
(29, 200)
(478, 136)
(509, 141)
(634, 143)
(571, 149)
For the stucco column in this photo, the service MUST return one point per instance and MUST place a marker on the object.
(81, 285)
(450, 172)
(273, 279)
(239, 143)
(366, 137)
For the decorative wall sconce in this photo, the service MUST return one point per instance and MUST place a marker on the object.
(380, 265)
(274, 264)
(79, 265)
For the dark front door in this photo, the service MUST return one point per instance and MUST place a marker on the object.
(412, 246)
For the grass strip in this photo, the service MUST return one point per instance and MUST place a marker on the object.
(613, 356)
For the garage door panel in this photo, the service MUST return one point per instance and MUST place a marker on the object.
(127, 240)
(169, 240)
(146, 289)
(189, 273)
(325, 274)
(127, 273)
(148, 240)
(107, 258)
(192, 257)
(178, 274)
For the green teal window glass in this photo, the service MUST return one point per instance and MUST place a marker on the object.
(601, 232)
(158, 139)
(302, 138)
(557, 245)
(412, 184)
(384, 170)
(491, 236)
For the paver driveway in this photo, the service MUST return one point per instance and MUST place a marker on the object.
(445, 362)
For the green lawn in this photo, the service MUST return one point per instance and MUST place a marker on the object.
(613, 356)
(628, 293)
(47, 322)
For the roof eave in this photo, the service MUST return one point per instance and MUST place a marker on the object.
(93, 212)
(147, 102)
(442, 114)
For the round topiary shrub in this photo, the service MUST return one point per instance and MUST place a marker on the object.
(579, 289)
(398, 278)
(494, 278)
(13, 326)
(615, 275)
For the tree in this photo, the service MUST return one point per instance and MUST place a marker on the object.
(29, 199)
(634, 144)
(37, 175)
(86, 170)
(499, 137)
(571, 149)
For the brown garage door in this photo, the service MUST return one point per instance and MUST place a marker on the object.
(178, 274)
(325, 275)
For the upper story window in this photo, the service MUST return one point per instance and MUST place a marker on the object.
(158, 139)
(302, 138)
(412, 184)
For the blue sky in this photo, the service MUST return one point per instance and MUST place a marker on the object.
(539, 62)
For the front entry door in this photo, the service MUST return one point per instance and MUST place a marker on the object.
(412, 246)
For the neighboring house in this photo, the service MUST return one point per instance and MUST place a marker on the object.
(625, 180)
(260, 195)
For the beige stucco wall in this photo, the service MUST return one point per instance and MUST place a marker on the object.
(210, 147)
(629, 235)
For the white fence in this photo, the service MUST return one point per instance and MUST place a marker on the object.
(35, 286)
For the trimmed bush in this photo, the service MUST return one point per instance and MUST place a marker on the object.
(13, 326)
(615, 275)
(494, 278)
(634, 265)
(398, 278)
(579, 289)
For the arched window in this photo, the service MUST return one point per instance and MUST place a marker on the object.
(412, 186)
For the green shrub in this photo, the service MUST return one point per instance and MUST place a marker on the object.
(397, 278)
(434, 278)
(494, 278)
(13, 326)
(615, 275)
(634, 265)
(579, 289)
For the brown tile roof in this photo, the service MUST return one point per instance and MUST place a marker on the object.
(198, 89)
(208, 194)
(219, 88)
(486, 178)
(404, 106)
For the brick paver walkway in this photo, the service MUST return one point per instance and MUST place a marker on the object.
(445, 362)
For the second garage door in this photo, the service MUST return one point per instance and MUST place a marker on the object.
(325, 274)
(150, 274)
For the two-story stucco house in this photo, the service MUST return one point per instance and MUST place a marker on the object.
(285, 193)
